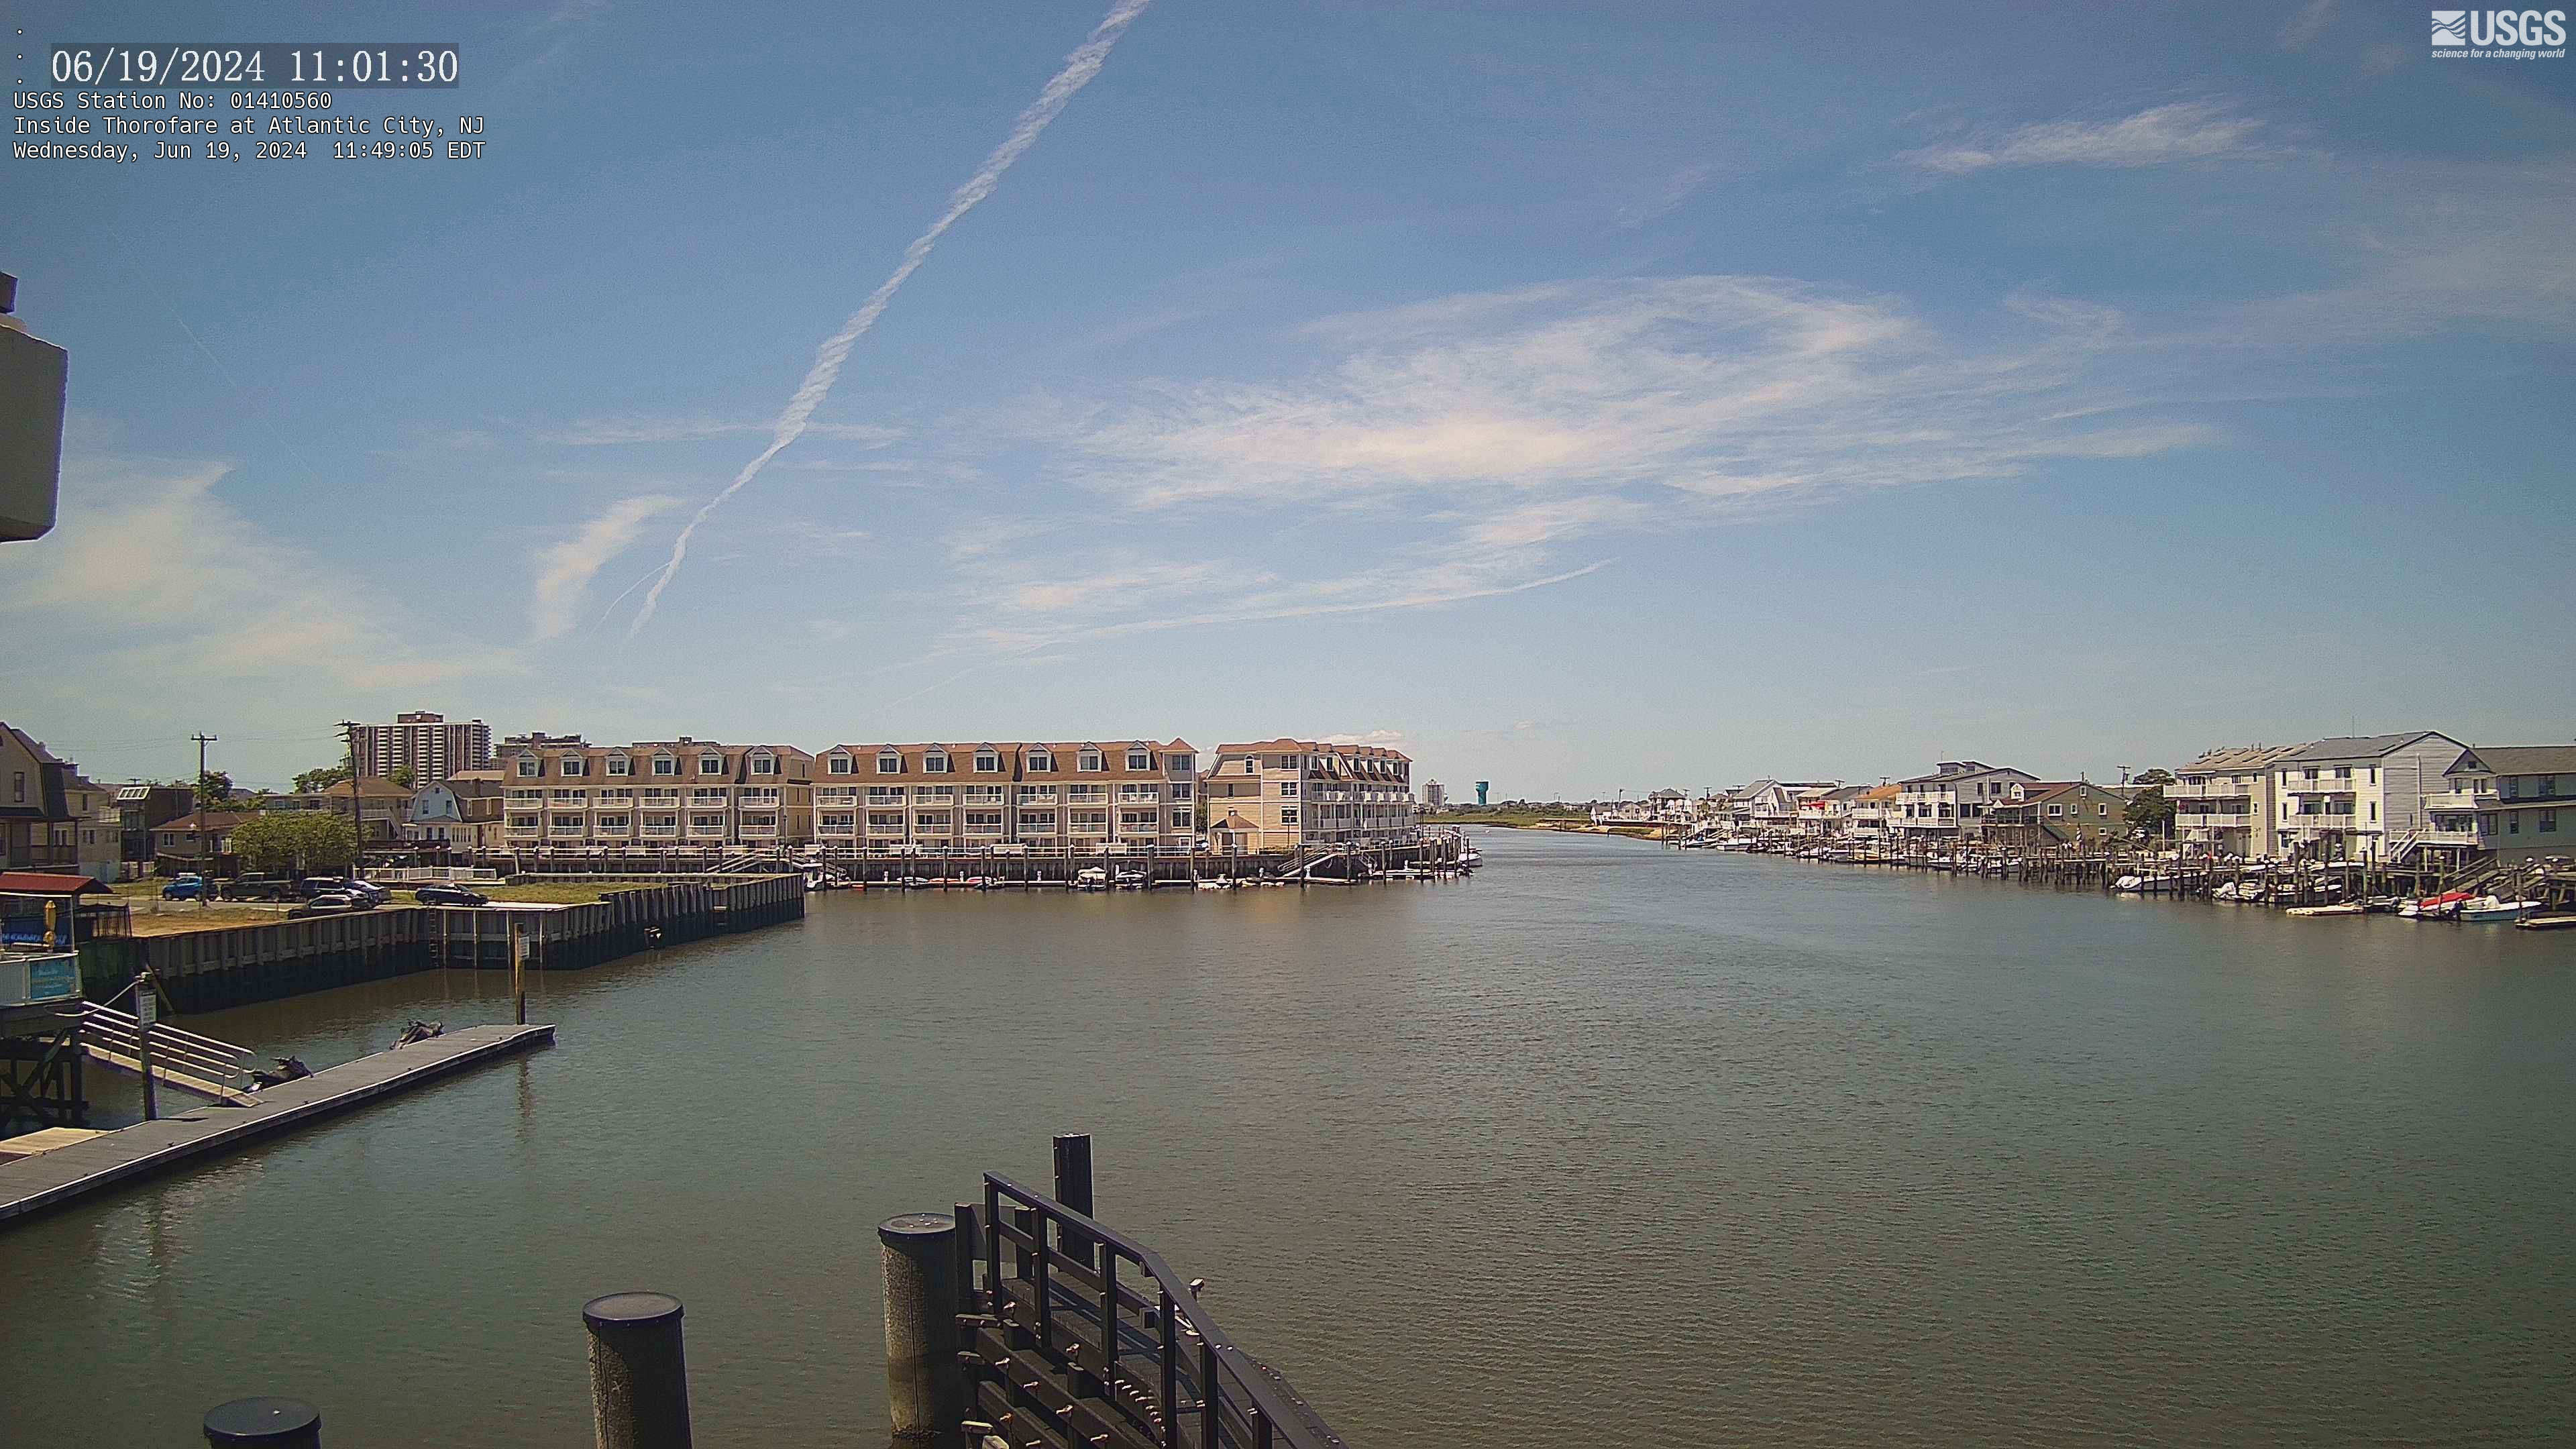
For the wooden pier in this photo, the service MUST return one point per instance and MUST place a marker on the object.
(50, 1179)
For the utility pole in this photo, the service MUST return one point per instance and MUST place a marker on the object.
(196, 796)
(357, 816)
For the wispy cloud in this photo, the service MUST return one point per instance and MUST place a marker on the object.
(207, 599)
(1676, 189)
(565, 569)
(2304, 27)
(2161, 135)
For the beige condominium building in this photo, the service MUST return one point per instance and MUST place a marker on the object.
(568, 795)
(1283, 794)
(1037, 796)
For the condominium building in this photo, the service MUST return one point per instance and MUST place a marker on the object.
(657, 793)
(2223, 801)
(1282, 794)
(1954, 800)
(2362, 797)
(432, 745)
(1024, 794)
(2516, 800)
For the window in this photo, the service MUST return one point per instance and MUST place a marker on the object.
(931, 820)
(1288, 789)
(885, 794)
(665, 765)
(567, 822)
(572, 794)
(2055, 810)
(2548, 786)
(1138, 821)
(2549, 822)
(529, 768)
(1089, 760)
(613, 822)
(985, 794)
(661, 824)
(987, 761)
(885, 822)
(836, 764)
(935, 792)
(620, 766)
(983, 822)
(523, 822)
(1041, 762)
(1082, 793)
(1041, 794)
(764, 764)
(2102, 808)
(1090, 822)
(760, 822)
(1139, 760)
(1180, 789)
(572, 767)
(2513, 787)
(2513, 822)
(1181, 820)
(935, 763)
(1288, 815)
(706, 822)
(1038, 820)
(710, 764)
(889, 763)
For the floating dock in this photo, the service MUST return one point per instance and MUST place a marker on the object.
(52, 1178)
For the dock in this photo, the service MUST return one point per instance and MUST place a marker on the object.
(52, 1178)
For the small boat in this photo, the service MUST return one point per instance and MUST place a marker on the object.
(1091, 878)
(2433, 908)
(2346, 908)
(1130, 880)
(1216, 885)
(2556, 921)
(2490, 911)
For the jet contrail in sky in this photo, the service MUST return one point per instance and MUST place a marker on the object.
(1079, 68)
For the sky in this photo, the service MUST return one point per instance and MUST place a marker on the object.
(1583, 398)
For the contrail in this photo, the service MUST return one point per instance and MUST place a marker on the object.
(1079, 68)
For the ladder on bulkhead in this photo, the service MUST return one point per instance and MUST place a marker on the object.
(180, 1058)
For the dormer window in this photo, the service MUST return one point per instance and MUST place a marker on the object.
(530, 767)
(1139, 760)
(837, 764)
(935, 763)
(666, 765)
(1089, 759)
(889, 763)
(710, 764)
(620, 766)
(987, 761)
(1041, 762)
(573, 767)
(764, 764)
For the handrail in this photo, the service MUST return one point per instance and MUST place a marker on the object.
(1279, 1417)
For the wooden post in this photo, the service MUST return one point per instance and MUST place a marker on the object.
(518, 971)
(281, 1423)
(926, 1387)
(639, 1376)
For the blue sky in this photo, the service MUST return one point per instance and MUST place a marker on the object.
(1582, 398)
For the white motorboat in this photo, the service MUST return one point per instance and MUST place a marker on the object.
(2346, 908)
(2491, 911)
(1091, 878)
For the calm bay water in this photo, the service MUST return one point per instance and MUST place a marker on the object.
(1607, 1144)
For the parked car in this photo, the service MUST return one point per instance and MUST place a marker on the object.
(260, 888)
(331, 903)
(449, 895)
(312, 886)
(185, 888)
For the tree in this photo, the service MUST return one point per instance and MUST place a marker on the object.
(314, 782)
(2157, 776)
(403, 777)
(302, 842)
(2149, 812)
(214, 790)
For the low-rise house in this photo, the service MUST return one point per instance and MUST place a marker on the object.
(139, 808)
(2361, 797)
(2518, 801)
(1307, 792)
(1865, 817)
(454, 815)
(2053, 815)
(36, 814)
(197, 841)
(1954, 801)
(2224, 801)
(383, 807)
(1043, 795)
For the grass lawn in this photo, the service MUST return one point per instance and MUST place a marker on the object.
(562, 893)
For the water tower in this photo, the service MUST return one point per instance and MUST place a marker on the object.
(1481, 787)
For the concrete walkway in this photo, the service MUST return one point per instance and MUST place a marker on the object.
(33, 1184)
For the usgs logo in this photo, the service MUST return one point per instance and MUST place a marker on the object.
(2499, 30)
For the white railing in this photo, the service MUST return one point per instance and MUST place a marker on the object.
(180, 1058)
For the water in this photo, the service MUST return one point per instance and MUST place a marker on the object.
(1607, 1144)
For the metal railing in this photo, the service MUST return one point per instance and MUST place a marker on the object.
(180, 1057)
(1127, 1356)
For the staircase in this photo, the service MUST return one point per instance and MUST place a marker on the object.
(180, 1058)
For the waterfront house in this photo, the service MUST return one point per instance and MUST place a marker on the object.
(2054, 815)
(384, 807)
(461, 813)
(1825, 814)
(1043, 795)
(2224, 801)
(1308, 792)
(43, 804)
(2361, 797)
(2518, 801)
(1953, 801)
(655, 794)
(138, 809)
(1865, 817)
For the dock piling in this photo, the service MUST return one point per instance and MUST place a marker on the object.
(1073, 1189)
(926, 1387)
(639, 1378)
(281, 1423)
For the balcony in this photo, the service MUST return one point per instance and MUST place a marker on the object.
(2323, 785)
(661, 832)
(2461, 800)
